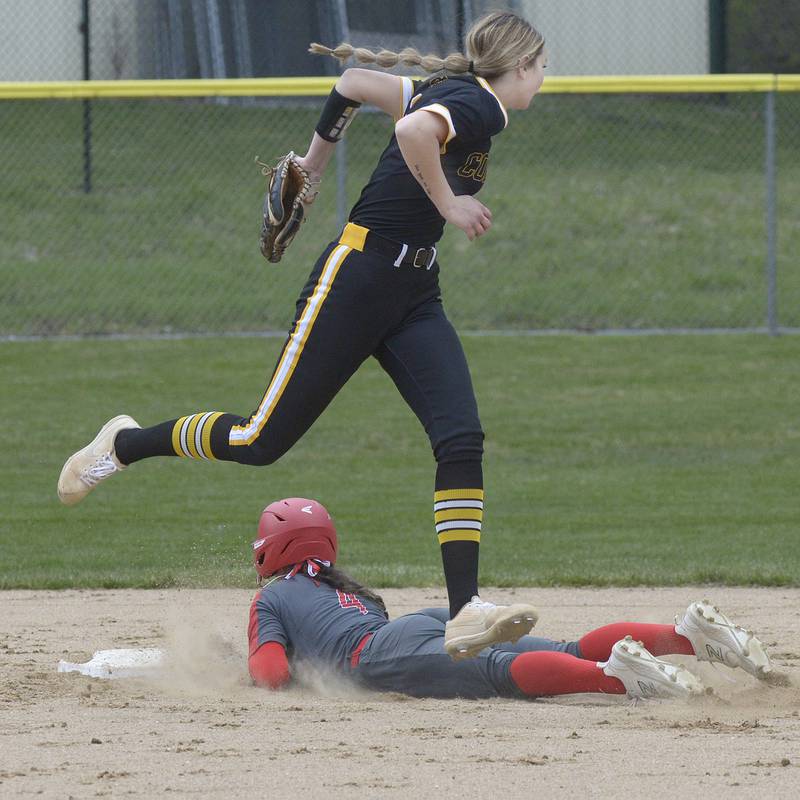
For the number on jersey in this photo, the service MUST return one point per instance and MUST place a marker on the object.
(347, 600)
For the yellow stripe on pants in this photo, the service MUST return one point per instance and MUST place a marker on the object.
(247, 434)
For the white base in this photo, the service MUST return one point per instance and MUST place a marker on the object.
(111, 664)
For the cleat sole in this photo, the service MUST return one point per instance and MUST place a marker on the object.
(510, 629)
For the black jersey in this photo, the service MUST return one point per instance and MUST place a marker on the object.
(393, 203)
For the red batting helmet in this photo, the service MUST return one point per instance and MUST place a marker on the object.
(290, 531)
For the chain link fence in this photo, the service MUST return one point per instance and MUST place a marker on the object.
(611, 211)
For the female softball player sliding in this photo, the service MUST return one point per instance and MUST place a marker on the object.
(308, 611)
(374, 292)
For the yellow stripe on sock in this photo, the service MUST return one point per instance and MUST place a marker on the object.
(176, 437)
(206, 435)
(459, 536)
(458, 513)
(457, 494)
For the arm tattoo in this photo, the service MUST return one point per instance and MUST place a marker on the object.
(422, 180)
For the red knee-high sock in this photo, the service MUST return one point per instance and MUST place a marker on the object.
(543, 673)
(660, 640)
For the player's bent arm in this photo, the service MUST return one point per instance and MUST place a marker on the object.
(360, 86)
(269, 666)
(420, 136)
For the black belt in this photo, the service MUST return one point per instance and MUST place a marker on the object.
(360, 238)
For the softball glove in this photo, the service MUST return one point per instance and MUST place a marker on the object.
(288, 185)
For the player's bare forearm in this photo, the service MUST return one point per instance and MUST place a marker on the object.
(318, 155)
(419, 136)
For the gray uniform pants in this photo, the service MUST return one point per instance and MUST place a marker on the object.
(407, 655)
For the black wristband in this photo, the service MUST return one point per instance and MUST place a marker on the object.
(337, 114)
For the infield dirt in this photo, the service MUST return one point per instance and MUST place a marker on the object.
(202, 730)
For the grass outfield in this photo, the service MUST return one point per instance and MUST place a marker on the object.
(610, 460)
(608, 212)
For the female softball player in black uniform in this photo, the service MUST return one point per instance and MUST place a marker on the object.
(311, 613)
(375, 292)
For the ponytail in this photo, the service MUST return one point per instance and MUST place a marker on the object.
(496, 43)
(386, 59)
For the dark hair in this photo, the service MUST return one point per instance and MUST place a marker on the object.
(337, 579)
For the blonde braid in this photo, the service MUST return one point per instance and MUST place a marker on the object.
(386, 59)
(496, 43)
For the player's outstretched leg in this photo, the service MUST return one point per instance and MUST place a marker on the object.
(325, 347)
(715, 638)
(122, 442)
(644, 675)
(479, 624)
(94, 463)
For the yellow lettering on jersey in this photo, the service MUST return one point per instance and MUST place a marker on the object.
(475, 167)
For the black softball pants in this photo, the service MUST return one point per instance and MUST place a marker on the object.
(355, 305)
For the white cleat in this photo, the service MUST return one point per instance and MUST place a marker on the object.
(716, 639)
(96, 462)
(644, 675)
(481, 624)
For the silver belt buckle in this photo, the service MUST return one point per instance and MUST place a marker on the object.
(427, 257)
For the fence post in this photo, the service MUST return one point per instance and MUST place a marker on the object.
(717, 36)
(87, 104)
(341, 183)
(771, 221)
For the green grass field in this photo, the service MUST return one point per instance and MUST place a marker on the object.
(609, 460)
(610, 211)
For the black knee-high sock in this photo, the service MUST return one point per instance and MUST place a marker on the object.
(203, 435)
(458, 513)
